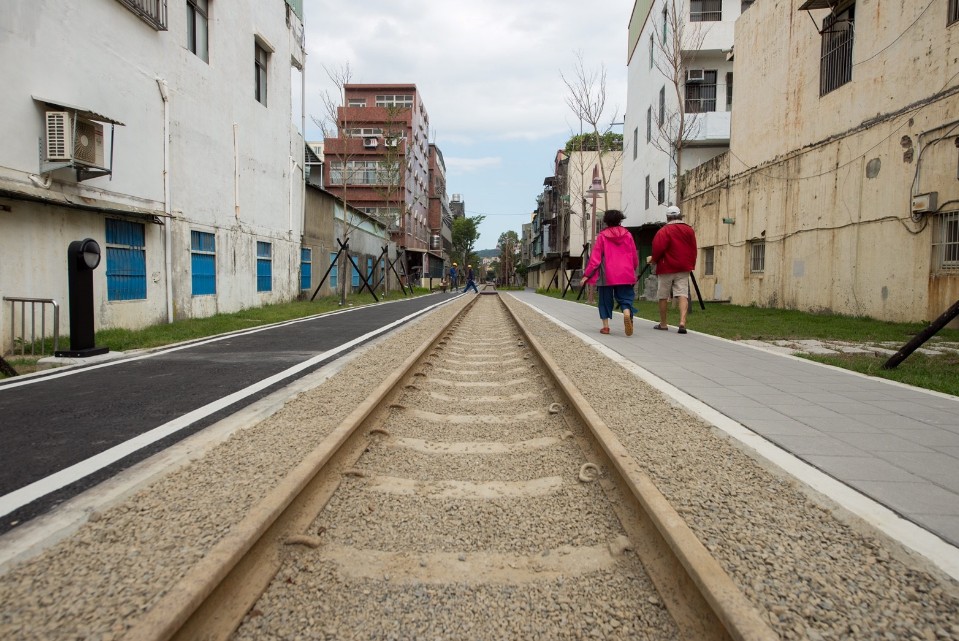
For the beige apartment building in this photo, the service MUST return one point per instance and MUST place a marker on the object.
(840, 191)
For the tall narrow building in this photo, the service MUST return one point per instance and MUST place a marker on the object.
(379, 163)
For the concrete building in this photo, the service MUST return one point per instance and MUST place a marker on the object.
(379, 163)
(569, 214)
(138, 125)
(440, 216)
(839, 191)
(678, 50)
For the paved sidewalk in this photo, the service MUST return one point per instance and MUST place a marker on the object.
(896, 444)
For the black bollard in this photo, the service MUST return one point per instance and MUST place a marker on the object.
(83, 256)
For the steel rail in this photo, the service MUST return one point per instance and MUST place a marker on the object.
(210, 600)
(705, 603)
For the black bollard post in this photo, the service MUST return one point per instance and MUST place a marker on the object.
(83, 256)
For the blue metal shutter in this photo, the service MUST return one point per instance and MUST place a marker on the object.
(126, 260)
(264, 267)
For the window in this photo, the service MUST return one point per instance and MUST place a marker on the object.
(333, 270)
(729, 91)
(835, 65)
(701, 95)
(652, 49)
(635, 142)
(709, 255)
(402, 101)
(364, 172)
(665, 23)
(662, 105)
(649, 124)
(647, 192)
(126, 261)
(152, 12)
(356, 102)
(355, 280)
(945, 243)
(369, 269)
(261, 60)
(264, 267)
(203, 263)
(757, 256)
(306, 268)
(661, 192)
(953, 11)
(197, 26)
(705, 10)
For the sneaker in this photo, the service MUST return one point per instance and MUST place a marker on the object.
(682, 329)
(628, 323)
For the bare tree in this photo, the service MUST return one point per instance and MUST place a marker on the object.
(674, 126)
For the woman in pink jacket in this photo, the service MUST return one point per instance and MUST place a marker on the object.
(612, 266)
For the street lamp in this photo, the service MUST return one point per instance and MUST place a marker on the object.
(594, 190)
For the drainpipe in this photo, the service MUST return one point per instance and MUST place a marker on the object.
(167, 205)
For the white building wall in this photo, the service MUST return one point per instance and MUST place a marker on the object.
(642, 157)
(234, 164)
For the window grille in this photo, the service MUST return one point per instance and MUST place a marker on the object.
(647, 192)
(709, 255)
(404, 101)
(126, 260)
(705, 10)
(652, 48)
(306, 268)
(152, 12)
(662, 105)
(203, 263)
(261, 58)
(264, 267)
(835, 65)
(661, 192)
(945, 244)
(953, 11)
(649, 124)
(729, 91)
(757, 256)
(701, 96)
(197, 28)
(333, 271)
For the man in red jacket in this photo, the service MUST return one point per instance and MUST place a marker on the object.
(674, 252)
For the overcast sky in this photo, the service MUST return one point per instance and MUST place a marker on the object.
(489, 76)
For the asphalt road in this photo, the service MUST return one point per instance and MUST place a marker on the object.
(69, 430)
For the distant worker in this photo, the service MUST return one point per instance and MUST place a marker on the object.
(612, 267)
(454, 278)
(674, 253)
(470, 282)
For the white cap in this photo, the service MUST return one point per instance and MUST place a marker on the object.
(673, 212)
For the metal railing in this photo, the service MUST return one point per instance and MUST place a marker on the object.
(34, 339)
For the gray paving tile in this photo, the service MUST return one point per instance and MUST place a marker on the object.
(911, 498)
(806, 410)
(881, 442)
(929, 465)
(837, 424)
(745, 413)
(894, 422)
(767, 427)
(946, 526)
(822, 444)
(936, 438)
(862, 468)
(849, 407)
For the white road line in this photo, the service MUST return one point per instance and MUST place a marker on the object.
(38, 489)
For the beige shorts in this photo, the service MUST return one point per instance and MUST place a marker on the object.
(672, 285)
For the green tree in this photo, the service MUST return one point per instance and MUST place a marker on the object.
(465, 235)
(508, 245)
(609, 141)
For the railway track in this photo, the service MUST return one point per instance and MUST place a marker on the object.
(475, 494)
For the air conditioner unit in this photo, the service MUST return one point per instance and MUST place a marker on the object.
(392, 142)
(436, 242)
(68, 141)
(88, 143)
(371, 143)
(695, 75)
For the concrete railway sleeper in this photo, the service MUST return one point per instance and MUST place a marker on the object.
(475, 494)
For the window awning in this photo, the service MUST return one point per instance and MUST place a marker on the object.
(818, 4)
(80, 111)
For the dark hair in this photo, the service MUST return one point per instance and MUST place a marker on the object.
(613, 217)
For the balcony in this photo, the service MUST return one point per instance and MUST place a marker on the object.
(709, 128)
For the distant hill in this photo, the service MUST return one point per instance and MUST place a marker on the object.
(488, 253)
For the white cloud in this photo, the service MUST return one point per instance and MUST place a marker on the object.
(456, 166)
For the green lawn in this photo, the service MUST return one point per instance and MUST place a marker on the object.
(940, 373)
